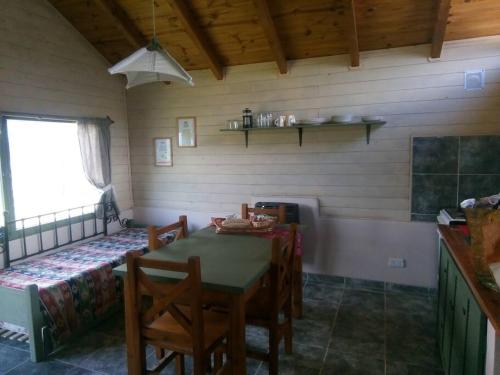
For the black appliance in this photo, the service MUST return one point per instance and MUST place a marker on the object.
(292, 210)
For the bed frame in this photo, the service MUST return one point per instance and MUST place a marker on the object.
(22, 307)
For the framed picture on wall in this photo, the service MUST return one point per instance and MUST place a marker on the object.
(163, 152)
(186, 130)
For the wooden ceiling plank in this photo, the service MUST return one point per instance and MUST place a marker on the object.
(267, 23)
(198, 36)
(352, 28)
(440, 28)
(123, 22)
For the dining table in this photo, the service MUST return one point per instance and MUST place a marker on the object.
(232, 269)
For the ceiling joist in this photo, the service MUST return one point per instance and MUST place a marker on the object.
(440, 28)
(123, 22)
(266, 20)
(352, 30)
(198, 36)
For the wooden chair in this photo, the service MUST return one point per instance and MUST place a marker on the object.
(264, 308)
(154, 233)
(183, 330)
(279, 212)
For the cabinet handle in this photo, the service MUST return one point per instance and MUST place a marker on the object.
(464, 311)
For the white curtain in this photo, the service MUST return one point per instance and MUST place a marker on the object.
(94, 137)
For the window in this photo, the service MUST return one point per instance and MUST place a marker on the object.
(45, 167)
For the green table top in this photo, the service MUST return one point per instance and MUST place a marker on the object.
(229, 263)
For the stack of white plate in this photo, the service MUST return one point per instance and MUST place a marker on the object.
(343, 119)
(314, 120)
(371, 118)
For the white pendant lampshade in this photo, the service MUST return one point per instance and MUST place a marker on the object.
(151, 64)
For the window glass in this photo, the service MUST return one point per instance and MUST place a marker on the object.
(46, 168)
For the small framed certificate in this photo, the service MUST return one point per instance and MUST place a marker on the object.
(186, 127)
(163, 152)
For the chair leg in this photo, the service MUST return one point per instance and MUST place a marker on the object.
(199, 364)
(297, 288)
(274, 342)
(288, 327)
(218, 360)
(160, 353)
(179, 364)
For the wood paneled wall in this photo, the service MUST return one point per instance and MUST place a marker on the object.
(47, 67)
(350, 178)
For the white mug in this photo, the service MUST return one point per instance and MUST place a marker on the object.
(280, 121)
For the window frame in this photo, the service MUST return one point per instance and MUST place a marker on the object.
(6, 190)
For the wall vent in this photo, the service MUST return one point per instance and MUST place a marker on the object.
(474, 80)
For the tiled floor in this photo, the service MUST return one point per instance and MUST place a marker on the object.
(349, 327)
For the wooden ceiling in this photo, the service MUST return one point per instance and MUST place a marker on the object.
(213, 34)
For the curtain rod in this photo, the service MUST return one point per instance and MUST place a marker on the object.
(51, 117)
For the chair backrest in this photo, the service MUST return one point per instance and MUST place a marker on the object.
(154, 241)
(279, 212)
(164, 298)
(282, 263)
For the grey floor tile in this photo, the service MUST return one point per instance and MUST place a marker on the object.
(408, 303)
(97, 352)
(413, 344)
(305, 360)
(318, 310)
(352, 364)
(406, 289)
(359, 334)
(334, 281)
(400, 368)
(15, 344)
(50, 367)
(311, 332)
(363, 303)
(367, 285)
(114, 326)
(11, 357)
(324, 293)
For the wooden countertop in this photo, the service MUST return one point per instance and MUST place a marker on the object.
(488, 300)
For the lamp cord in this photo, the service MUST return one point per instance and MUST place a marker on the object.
(154, 19)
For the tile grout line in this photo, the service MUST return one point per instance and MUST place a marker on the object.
(330, 339)
(14, 347)
(19, 365)
(385, 333)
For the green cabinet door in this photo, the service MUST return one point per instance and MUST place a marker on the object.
(460, 314)
(461, 323)
(475, 342)
(444, 261)
(449, 314)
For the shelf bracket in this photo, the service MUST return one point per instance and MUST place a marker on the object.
(368, 131)
(300, 137)
(246, 138)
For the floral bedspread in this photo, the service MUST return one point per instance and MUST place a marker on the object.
(76, 285)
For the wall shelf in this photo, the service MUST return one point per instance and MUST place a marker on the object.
(300, 128)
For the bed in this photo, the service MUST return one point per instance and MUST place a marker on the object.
(65, 285)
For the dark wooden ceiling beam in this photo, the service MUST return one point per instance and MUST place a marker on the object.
(123, 22)
(198, 36)
(443, 12)
(266, 20)
(352, 33)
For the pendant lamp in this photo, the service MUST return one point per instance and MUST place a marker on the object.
(151, 64)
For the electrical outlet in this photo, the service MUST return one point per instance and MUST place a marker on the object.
(397, 263)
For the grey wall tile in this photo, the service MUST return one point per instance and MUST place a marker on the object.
(477, 186)
(435, 155)
(430, 193)
(480, 155)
